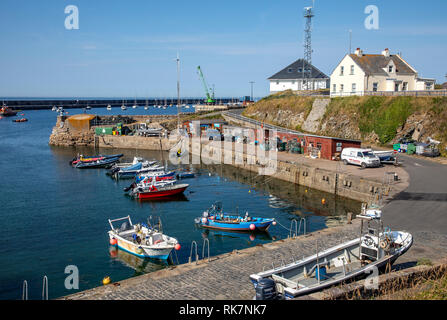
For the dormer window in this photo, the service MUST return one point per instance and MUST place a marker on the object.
(290, 70)
(300, 70)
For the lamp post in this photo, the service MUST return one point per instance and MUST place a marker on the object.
(251, 97)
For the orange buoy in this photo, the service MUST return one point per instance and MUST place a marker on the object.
(323, 201)
(113, 242)
(252, 227)
(177, 246)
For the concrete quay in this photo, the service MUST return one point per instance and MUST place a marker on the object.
(224, 277)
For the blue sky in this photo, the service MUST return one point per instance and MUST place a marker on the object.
(127, 48)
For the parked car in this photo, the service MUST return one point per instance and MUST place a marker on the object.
(360, 157)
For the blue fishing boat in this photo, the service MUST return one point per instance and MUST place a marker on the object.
(158, 175)
(215, 218)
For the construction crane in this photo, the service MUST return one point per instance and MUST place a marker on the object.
(209, 98)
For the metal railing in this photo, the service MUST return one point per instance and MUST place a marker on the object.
(413, 93)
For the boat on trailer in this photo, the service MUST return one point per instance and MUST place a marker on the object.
(376, 249)
(142, 240)
(215, 218)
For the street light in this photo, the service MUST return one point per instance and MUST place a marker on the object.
(251, 83)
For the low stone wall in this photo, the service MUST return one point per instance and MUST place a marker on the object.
(342, 184)
(134, 142)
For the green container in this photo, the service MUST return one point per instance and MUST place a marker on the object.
(104, 131)
(396, 147)
(411, 148)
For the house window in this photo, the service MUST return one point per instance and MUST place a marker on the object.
(396, 87)
(277, 82)
(375, 86)
(293, 82)
(300, 70)
(405, 86)
(341, 87)
(354, 87)
(428, 86)
(352, 69)
(342, 70)
(390, 69)
(334, 87)
(290, 70)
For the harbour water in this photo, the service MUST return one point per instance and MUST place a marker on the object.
(54, 215)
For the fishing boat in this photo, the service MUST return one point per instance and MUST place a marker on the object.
(160, 175)
(215, 218)
(376, 249)
(109, 107)
(81, 158)
(135, 160)
(54, 108)
(141, 239)
(135, 169)
(7, 112)
(158, 189)
(101, 163)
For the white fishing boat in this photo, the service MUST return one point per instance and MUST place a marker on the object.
(376, 249)
(109, 107)
(141, 240)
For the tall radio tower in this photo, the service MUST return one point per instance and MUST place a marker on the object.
(308, 15)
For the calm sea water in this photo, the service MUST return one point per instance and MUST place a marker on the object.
(53, 215)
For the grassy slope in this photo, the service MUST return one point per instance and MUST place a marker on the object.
(383, 115)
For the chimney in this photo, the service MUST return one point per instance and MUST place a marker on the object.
(358, 52)
(386, 52)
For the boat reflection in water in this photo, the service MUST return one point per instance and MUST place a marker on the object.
(140, 265)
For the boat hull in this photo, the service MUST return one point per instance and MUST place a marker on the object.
(238, 227)
(168, 192)
(142, 251)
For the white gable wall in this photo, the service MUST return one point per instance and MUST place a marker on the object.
(342, 83)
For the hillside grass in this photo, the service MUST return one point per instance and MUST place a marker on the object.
(286, 100)
(384, 115)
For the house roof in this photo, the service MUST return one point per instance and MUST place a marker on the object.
(374, 64)
(295, 71)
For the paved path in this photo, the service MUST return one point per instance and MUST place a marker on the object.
(421, 209)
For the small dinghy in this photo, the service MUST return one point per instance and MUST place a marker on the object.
(214, 218)
(376, 249)
(20, 120)
(141, 240)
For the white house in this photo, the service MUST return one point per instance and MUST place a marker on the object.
(360, 73)
(298, 76)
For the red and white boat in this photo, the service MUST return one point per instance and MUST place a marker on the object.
(158, 189)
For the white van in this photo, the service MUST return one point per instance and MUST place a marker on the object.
(360, 157)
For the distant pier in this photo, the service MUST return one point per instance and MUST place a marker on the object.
(42, 104)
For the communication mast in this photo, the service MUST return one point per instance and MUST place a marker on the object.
(308, 15)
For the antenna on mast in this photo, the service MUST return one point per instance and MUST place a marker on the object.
(308, 15)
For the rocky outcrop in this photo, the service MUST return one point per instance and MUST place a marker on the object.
(313, 121)
(62, 136)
